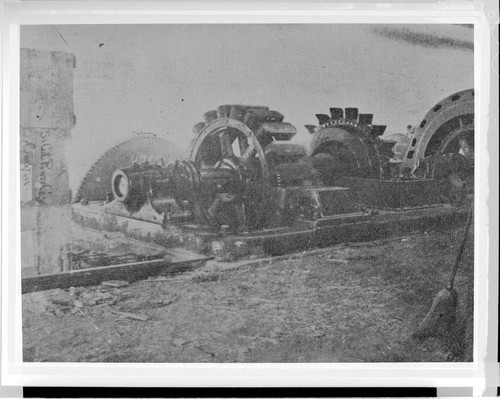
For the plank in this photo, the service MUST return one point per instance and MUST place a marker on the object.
(128, 315)
(94, 276)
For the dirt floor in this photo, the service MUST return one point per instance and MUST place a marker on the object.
(348, 303)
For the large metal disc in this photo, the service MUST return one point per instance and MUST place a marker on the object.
(144, 147)
(441, 129)
(352, 141)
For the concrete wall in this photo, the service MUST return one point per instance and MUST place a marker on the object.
(47, 118)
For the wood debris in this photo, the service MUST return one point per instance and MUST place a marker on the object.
(133, 316)
(115, 283)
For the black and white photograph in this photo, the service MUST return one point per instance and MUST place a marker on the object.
(248, 193)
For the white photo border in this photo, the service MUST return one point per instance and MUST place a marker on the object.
(481, 375)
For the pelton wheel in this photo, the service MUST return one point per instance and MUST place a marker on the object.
(228, 150)
(346, 143)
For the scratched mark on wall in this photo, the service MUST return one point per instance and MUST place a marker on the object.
(44, 176)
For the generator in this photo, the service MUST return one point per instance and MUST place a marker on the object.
(246, 183)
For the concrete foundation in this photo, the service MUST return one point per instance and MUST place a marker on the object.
(303, 235)
(46, 121)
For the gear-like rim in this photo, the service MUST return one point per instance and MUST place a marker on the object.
(138, 136)
(364, 133)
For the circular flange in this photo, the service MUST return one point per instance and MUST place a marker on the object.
(120, 185)
(444, 123)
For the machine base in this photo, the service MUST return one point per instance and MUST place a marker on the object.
(304, 234)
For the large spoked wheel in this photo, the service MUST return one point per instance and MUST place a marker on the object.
(232, 162)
